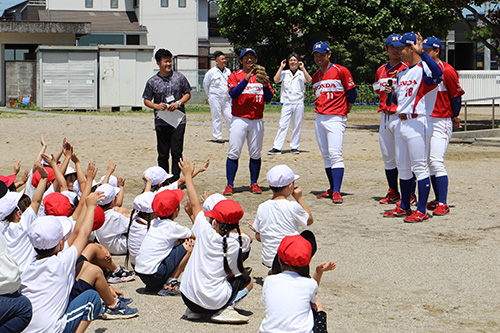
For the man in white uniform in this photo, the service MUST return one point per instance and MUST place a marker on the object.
(215, 85)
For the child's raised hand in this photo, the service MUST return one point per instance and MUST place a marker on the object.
(75, 158)
(204, 197)
(91, 171)
(38, 166)
(17, 167)
(297, 193)
(25, 176)
(186, 167)
(250, 225)
(188, 208)
(146, 179)
(94, 198)
(121, 180)
(42, 141)
(68, 149)
(326, 266)
(50, 160)
(205, 167)
(111, 166)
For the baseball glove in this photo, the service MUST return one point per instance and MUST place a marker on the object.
(260, 72)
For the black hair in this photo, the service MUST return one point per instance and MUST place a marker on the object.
(302, 271)
(225, 229)
(218, 54)
(162, 53)
(277, 189)
(45, 253)
(22, 205)
(107, 206)
(293, 54)
(12, 187)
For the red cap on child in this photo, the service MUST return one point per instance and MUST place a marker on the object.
(98, 218)
(226, 211)
(36, 176)
(166, 202)
(295, 251)
(8, 180)
(57, 204)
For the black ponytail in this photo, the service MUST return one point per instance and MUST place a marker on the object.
(127, 255)
(225, 229)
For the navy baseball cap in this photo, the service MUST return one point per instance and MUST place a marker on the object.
(321, 47)
(245, 51)
(394, 40)
(432, 42)
(408, 38)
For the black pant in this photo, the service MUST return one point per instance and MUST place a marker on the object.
(170, 140)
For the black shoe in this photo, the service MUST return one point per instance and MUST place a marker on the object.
(274, 151)
(219, 141)
(295, 151)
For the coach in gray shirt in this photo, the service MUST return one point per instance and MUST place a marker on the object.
(168, 91)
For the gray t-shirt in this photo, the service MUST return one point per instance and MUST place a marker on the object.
(158, 88)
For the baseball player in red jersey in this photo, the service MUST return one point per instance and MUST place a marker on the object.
(335, 95)
(388, 118)
(247, 110)
(443, 118)
(415, 94)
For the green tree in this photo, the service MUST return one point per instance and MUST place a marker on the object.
(355, 29)
(488, 32)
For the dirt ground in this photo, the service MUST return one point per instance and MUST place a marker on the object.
(441, 275)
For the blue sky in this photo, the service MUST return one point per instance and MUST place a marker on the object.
(4, 4)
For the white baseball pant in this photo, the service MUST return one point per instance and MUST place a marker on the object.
(442, 129)
(330, 136)
(388, 129)
(295, 113)
(252, 131)
(412, 148)
(220, 106)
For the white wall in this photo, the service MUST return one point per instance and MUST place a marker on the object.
(97, 5)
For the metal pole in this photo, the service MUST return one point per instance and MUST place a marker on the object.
(493, 114)
(465, 120)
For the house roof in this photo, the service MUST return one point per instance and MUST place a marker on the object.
(101, 21)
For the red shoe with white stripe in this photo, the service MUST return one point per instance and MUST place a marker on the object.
(416, 216)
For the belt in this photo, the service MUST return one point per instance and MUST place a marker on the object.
(406, 117)
(388, 112)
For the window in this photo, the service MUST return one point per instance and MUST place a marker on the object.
(136, 3)
(114, 4)
(164, 3)
(89, 3)
(133, 40)
(182, 3)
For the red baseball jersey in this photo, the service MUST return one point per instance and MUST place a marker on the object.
(250, 103)
(330, 90)
(448, 89)
(383, 75)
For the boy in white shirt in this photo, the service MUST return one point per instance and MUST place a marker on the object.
(48, 281)
(166, 248)
(279, 217)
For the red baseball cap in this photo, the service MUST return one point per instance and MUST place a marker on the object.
(8, 180)
(226, 211)
(295, 250)
(166, 202)
(57, 204)
(36, 176)
(98, 218)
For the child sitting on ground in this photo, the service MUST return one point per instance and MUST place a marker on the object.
(290, 296)
(279, 217)
(166, 248)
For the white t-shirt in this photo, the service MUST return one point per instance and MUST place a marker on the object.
(204, 281)
(10, 275)
(215, 83)
(173, 186)
(47, 283)
(245, 240)
(160, 239)
(288, 297)
(292, 86)
(275, 220)
(16, 236)
(135, 237)
(111, 234)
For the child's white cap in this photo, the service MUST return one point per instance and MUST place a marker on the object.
(110, 193)
(112, 180)
(71, 196)
(156, 175)
(144, 202)
(69, 171)
(8, 203)
(47, 231)
(212, 200)
(281, 175)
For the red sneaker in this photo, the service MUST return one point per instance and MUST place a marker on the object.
(229, 190)
(255, 189)
(397, 212)
(327, 194)
(441, 209)
(416, 216)
(413, 201)
(432, 205)
(390, 198)
(337, 198)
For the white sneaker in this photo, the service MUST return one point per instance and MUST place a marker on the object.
(229, 315)
(190, 315)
